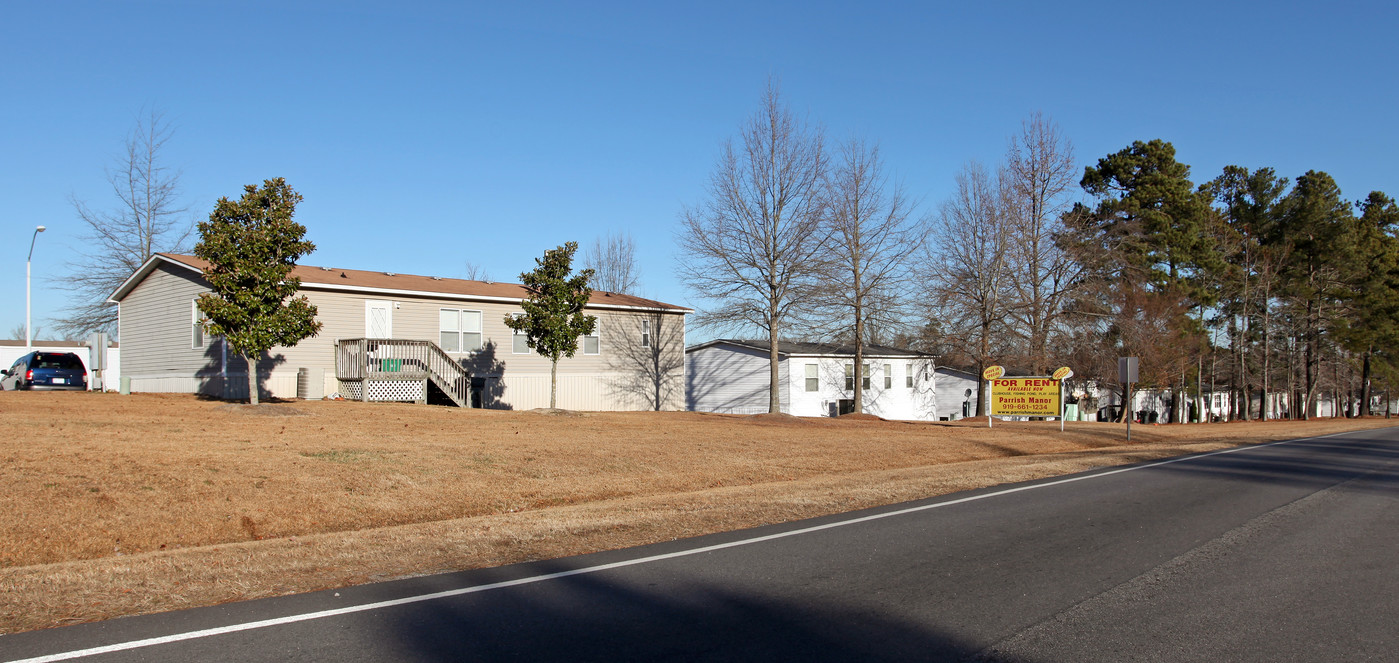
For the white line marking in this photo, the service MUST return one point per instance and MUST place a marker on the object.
(292, 619)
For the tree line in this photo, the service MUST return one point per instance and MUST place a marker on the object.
(1250, 283)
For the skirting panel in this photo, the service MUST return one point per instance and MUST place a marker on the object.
(385, 390)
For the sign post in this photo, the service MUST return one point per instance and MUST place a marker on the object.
(990, 375)
(1127, 375)
(1060, 375)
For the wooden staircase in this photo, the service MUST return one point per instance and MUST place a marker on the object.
(382, 369)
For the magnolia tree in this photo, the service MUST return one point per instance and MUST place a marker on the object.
(553, 318)
(252, 245)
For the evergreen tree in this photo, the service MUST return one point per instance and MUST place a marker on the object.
(1149, 210)
(553, 318)
(1149, 251)
(1247, 278)
(1314, 223)
(252, 246)
(1371, 288)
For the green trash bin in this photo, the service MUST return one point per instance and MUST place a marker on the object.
(392, 365)
(1071, 412)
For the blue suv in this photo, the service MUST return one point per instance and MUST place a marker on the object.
(46, 370)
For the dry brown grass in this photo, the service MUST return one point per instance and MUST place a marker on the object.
(125, 504)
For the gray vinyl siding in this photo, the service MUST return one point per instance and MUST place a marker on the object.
(155, 327)
(729, 379)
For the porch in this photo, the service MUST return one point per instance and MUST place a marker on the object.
(380, 369)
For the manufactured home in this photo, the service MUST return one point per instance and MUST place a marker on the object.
(401, 337)
(814, 379)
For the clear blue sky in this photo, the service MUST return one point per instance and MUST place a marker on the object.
(428, 135)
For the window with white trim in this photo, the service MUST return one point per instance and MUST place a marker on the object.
(592, 343)
(888, 376)
(645, 333)
(197, 319)
(520, 341)
(812, 383)
(908, 375)
(850, 377)
(459, 330)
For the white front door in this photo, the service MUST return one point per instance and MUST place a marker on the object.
(378, 319)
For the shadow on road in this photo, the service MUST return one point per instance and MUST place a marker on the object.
(600, 618)
(1330, 461)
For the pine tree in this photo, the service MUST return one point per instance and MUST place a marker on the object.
(1371, 287)
(1314, 223)
(1158, 221)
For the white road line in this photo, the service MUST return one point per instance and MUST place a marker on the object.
(292, 619)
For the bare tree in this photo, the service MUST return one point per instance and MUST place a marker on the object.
(147, 219)
(971, 256)
(750, 249)
(613, 261)
(475, 272)
(1039, 178)
(18, 331)
(864, 274)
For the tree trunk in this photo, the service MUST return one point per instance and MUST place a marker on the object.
(252, 378)
(981, 392)
(553, 384)
(1365, 386)
(859, 361)
(774, 399)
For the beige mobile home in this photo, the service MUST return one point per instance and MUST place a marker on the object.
(401, 337)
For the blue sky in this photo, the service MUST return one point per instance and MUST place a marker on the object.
(428, 135)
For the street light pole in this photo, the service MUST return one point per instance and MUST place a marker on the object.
(28, 329)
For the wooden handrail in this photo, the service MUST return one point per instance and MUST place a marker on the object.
(401, 359)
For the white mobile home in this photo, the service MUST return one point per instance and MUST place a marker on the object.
(814, 379)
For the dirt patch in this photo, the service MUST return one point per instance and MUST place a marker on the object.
(555, 412)
(263, 409)
(128, 504)
(860, 416)
(780, 419)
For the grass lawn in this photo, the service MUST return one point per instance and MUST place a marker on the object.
(120, 505)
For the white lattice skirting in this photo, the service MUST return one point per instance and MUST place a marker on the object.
(385, 390)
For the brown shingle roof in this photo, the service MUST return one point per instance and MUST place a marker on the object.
(353, 279)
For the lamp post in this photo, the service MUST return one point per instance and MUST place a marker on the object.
(28, 330)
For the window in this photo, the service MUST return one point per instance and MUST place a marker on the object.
(197, 319)
(521, 342)
(850, 377)
(591, 342)
(812, 384)
(459, 331)
(888, 376)
(908, 376)
(645, 333)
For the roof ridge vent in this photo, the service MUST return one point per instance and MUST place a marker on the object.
(436, 278)
(390, 274)
(325, 269)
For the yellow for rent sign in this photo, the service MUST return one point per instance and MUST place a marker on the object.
(1025, 397)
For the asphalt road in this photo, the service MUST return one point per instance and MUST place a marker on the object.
(1280, 552)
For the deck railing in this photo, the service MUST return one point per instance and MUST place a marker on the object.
(382, 359)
